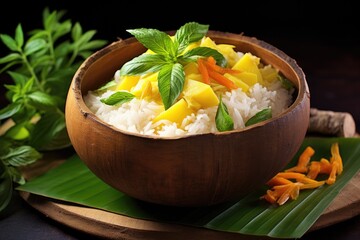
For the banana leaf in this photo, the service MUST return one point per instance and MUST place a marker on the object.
(74, 182)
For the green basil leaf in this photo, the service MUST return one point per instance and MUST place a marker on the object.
(19, 36)
(171, 81)
(157, 41)
(6, 187)
(19, 78)
(118, 98)
(62, 29)
(286, 83)
(195, 53)
(188, 33)
(9, 42)
(223, 120)
(60, 140)
(45, 60)
(34, 46)
(27, 86)
(49, 126)
(18, 132)
(21, 156)
(86, 37)
(92, 45)
(107, 86)
(42, 99)
(38, 33)
(50, 21)
(10, 57)
(143, 64)
(76, 31)
(10, 110)
(259, 117)
(16, 176)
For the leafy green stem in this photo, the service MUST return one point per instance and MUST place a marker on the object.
(51, 46)
(31, 71)
(73, 57)
(42, 67)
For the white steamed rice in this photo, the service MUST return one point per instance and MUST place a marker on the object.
(136, 116)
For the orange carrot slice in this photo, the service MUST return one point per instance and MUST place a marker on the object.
(203, 71)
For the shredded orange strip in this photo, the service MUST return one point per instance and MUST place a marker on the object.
(335, 157)
(278, 181)
(203, 71)
(208, 69)
(211, 65)
(303, 161)
(287, 184)
(314, 169)
(222, 80)
(325, 166)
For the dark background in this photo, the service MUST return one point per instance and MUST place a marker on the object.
(322, 36)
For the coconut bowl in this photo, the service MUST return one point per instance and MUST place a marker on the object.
(196, 170)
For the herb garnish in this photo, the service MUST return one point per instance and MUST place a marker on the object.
(260, 116)
(168, 57)
(223, 120)
(118, 98)
(41, 67)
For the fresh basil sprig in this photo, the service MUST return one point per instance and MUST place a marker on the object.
(119, 97)
(260, 116)
(168, 57)
(223, 120)
(41, 65)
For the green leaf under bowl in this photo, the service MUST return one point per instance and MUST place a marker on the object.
(74, 182)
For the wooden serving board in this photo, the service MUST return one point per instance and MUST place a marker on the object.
(114, 226)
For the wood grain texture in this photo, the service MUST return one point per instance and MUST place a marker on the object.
(197, 170)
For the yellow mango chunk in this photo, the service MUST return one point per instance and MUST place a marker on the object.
(229, 53)
(269, 74)
(191, 46)
(191, 68)
(238, 82)
(249, 63)
(155, 94)
(176, 113)
(194, 76)
(207, 42)
(152, 77)
(199, 95)
(127, 83)
(247, 77)
(142, 89)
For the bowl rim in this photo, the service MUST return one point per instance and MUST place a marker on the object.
(302, 90)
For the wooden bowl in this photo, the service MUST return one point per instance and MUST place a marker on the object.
(198, 170)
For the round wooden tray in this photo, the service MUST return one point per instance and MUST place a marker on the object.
(114, 226)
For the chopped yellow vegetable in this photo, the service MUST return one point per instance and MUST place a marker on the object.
(142, 89)
(127, 83)
(176, 113)
(249, 63)
(247, 77)
(199, 95)
(229, 53)
(194, 76)
(191, 46)
(207, 42)
(191, 68)
(152, 77)
(269, 74)
(238, 82)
